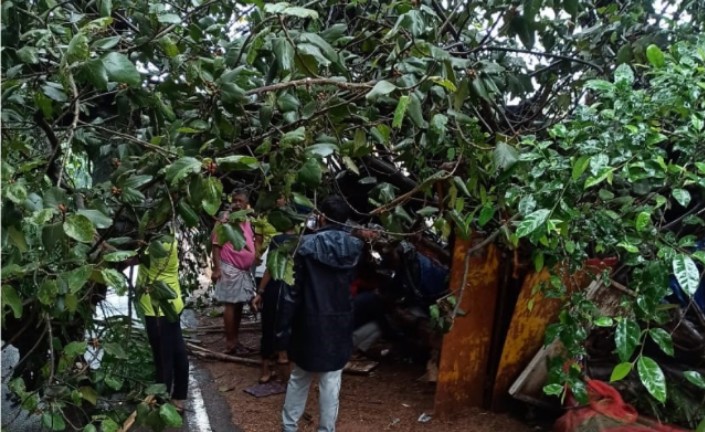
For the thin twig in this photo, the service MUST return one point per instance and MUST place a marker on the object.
(312, 81)
(51, 349)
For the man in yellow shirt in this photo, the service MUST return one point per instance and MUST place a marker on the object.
(161, 309)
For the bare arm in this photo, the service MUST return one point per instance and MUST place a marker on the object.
(215, 275)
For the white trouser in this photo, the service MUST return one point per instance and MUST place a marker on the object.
(297, 393)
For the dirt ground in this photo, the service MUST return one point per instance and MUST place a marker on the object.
(388, 399)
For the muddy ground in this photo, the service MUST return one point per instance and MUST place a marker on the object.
(388, 399)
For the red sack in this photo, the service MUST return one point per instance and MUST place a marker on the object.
(606, 411)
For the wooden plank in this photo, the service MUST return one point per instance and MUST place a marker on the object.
(465, 351)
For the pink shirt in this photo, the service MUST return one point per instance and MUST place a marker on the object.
(244, 258)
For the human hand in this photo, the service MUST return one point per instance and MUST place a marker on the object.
(257, 303)
(216, 274)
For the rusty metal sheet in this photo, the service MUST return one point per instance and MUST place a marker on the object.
(525, 335)
(462, 370)
(528, 326)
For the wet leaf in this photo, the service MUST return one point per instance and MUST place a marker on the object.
(652, 377)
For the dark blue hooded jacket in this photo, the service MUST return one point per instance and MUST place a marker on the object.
(316, 314)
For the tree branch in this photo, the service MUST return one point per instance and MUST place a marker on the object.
(536, 53)
(53, 141)
(163, 151)
(74, 123)
(312, 81)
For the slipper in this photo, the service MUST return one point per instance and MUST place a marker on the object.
(268, 378)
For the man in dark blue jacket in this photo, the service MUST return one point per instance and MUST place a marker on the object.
(317, 314)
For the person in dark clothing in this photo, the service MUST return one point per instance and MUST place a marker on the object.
(317, 312)
(268, 300)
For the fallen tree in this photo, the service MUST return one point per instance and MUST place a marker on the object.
(524, 122)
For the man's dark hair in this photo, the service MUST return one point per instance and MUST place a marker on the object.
(335, 209)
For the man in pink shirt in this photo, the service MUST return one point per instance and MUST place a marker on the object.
(234, 284)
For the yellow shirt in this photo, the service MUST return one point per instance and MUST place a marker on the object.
(166, 270)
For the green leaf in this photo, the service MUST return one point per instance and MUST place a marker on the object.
(663, 339)
(686, 273)
(97, 217)
(109, 425)
(284, 53)
(78, 48)
(604, 322)
(628, 247)
(79, 228)
(12, 299)
(17, 238)
(445, 83)
(682, 196)
(580, 166)
(119, 256)
(229, 233)
(601, 86)
(486, 215)
(303, 201)
(655, 56)
(116, 350)
(531, 222)
(28, 54)
(280, 265)
(310, 173)
(382, 88)
(54, 92)
(94, 72)
(620, 371)
(53, 421)
(553, 389)
(504, 156)
(695, 378)
(170, 415)
(460, 184)
(400, 111)
(321, 150)
(106, 9)
(624, 74)
(115, 280)
(76, 278)
(121, 69)
(300, 12)
(415, 111)
(135, 181)
(169, 18)
(212, 192)
(75, 348)
(237, 163)
(231, 93)
(107, 43)
(16, 192)
(296, 136)
(91, 396)
(626, 338)
(181, 169)
(605, 174)
(643, 221)
(652, 377)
